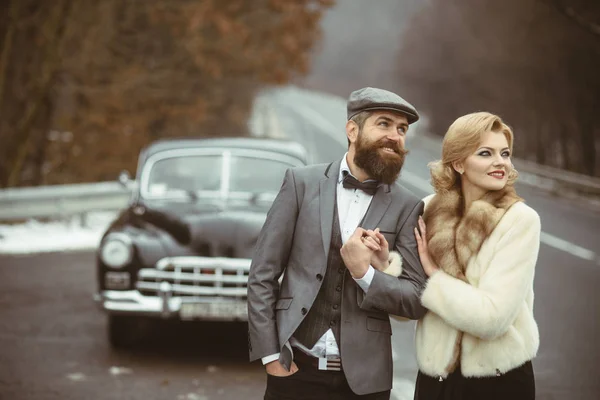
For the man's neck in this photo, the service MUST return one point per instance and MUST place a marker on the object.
(356, 171)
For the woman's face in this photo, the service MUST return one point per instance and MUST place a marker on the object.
(488, 167)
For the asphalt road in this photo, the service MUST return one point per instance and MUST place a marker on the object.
(53, 343)
(52, 337)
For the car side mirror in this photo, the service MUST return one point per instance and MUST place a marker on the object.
(124, 178)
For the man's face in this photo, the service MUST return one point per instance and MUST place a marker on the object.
(379, 146)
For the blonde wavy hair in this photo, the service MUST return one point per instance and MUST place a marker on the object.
(460, 141)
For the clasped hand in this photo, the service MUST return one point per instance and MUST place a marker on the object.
(365, 247)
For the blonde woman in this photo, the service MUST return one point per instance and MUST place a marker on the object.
(478, 243)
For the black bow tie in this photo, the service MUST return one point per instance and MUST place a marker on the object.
(369, 187)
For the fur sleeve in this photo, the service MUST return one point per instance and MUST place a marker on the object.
(395, 264)
(488, 310)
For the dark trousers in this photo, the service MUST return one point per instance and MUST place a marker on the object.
(310, 383)
(516, 384)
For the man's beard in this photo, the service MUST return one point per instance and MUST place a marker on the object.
(378, 164)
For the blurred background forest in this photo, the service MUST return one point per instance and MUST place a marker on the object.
(85, 84)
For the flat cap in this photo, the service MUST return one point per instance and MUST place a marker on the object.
(368, 99)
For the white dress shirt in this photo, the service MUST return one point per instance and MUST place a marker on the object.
(352, 205)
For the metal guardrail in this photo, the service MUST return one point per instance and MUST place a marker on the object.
(61, 201)
(556, 180)
(64, 201)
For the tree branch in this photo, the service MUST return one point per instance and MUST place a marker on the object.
(7, 47)
(570, 13)
(23, 128)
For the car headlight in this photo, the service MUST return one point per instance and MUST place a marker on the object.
(116, 251)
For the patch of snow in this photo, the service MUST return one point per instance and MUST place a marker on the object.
(192, 396)
(43, 237)
(119, 371)
(76, 377)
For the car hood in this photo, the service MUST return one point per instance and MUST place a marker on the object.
(213, 232)
(226, 233)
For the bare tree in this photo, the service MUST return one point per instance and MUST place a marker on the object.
(521, 59)
(115, 75)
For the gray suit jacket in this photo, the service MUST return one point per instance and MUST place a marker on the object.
(295, 242)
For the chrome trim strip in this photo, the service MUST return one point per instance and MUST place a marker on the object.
(148, 273)
(132, 302)
(195, 290)
(223, 263)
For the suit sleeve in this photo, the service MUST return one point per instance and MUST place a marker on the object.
(400, 295)
(488, 311)
(268, 263)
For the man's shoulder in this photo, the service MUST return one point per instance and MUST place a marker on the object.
(401, 193)
(310, 171)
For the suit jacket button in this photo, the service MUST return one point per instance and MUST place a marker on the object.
(303, 311)
(339, 288)
(319, 277)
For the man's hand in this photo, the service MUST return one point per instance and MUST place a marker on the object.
(356, 254)
(381, 253)
(276, 369)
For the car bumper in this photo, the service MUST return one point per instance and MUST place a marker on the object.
(132, 302)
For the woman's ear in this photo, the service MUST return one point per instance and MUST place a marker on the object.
(458, 167)
(351, 131)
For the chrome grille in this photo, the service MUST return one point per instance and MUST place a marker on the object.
(196, 276)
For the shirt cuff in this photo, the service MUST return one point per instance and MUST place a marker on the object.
(268, 359)
(365, 281)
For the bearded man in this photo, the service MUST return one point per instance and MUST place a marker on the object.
(324, 331)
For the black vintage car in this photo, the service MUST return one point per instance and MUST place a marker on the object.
(182, 248)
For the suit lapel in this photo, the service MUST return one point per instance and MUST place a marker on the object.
(327, 199)
(379, 205)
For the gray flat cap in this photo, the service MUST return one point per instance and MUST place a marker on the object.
(367, 99)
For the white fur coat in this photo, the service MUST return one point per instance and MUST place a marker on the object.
(488, 320)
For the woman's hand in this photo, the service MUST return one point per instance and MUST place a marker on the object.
(428, 265)
(375, 241)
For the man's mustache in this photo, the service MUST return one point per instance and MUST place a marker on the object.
(395, 146)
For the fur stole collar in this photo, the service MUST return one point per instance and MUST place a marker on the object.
(453, 238)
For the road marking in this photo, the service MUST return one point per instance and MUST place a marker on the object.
(567, 247)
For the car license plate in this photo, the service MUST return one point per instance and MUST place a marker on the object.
(214, 311)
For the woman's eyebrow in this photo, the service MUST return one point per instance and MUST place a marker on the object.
(491, 148)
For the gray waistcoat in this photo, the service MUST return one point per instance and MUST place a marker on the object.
(326, 311)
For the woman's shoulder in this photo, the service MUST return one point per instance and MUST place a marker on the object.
(522, 211)
(522, 217)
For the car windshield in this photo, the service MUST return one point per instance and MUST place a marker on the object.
(214, 175)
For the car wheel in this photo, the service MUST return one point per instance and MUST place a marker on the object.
(122, 331)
